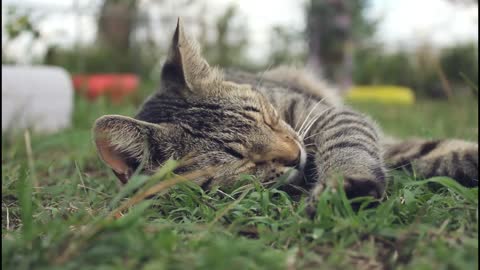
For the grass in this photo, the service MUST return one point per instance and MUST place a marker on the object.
(59, 201)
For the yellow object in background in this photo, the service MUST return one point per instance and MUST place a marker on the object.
(382, 94)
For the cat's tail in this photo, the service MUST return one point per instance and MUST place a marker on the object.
(454, 158)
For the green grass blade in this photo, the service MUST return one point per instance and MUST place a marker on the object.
(25, 193)
(471, 85)
(452, 185)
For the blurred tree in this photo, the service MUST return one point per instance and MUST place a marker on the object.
(138, 43)
(429, 72)
(230, 43)
(18, 23)
(116, 23)
(459, 62)
(113, 51)
(285, 44)
(334, 27)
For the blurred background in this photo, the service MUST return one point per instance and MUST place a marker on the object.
(413, 51)
(430, 46)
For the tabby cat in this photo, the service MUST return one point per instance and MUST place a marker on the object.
(282, 123)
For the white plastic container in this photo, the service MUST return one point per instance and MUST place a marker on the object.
(36, 97)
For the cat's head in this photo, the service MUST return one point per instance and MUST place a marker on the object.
(199, 117)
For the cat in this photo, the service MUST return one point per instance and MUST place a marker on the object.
(283, 123)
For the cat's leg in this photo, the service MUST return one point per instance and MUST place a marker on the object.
(346, 144)
(427, 158)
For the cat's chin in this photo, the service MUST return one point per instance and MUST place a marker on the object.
(296, 174)
(295, 177)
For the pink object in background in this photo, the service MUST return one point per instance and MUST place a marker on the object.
(116, 86)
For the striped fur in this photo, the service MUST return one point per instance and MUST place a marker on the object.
(279, 123)
(455, 158)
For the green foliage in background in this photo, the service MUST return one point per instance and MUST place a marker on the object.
(333, 30)
(230, 44)
(227, 49)
(286, 47)
(458, 60)
(420, 70)
(342, 36)
(17, 23)
(99, 59)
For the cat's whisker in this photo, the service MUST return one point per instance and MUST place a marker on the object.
(315, 134)
(263, 75)
(302, 113)
(308, 115)
(397, 167)
(310, 125)
(311, 136)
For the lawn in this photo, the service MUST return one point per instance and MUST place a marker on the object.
(59, 209)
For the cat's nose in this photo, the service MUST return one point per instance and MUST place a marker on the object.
(299, 162)
(292, 163)
(286, 156)
(282, 149)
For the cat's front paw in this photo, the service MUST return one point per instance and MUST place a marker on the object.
(357, 186)
(354, 186)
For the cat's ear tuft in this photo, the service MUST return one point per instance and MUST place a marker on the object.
(122, 143)
(185, 67)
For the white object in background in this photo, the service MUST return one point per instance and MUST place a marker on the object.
(36, 97)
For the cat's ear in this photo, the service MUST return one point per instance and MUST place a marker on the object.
(184, 65)
(123, 143)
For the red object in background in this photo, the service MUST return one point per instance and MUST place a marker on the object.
(116, 86)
